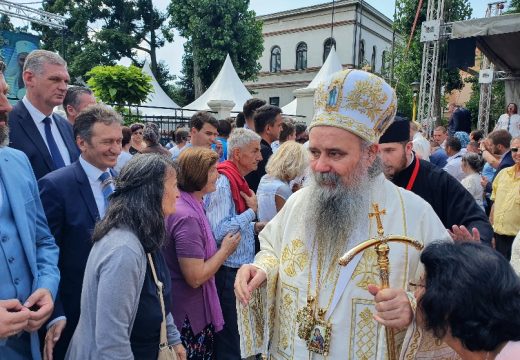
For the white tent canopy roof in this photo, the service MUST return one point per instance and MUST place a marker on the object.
(331, 65)
(227, 86)
(156, 98)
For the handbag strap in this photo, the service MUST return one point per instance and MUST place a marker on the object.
(159, 284)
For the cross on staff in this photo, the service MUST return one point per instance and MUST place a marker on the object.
(382, 249)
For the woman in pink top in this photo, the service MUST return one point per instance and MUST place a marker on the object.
(470, 299)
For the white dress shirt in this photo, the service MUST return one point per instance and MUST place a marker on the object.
(93, 174)
(511, 124)
(38, 118)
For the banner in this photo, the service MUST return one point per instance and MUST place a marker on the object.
(14, 48)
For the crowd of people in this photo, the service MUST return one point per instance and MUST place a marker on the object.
(224, 244)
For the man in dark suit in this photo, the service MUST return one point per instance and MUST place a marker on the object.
(74, 198)
(46, 138)
(29, 274)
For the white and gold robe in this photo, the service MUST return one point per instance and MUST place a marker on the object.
(268, 324)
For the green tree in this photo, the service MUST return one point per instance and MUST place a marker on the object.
(407, 63)
(5, 23)
(119, 84)
(213, 29)
(100, 32)
(514, 7)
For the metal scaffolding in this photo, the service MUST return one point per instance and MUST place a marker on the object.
(431, 32)
(487, 73)
(33, 15)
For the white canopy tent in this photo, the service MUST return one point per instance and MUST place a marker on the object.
(157, 98)
(331, 65)
(227, 86)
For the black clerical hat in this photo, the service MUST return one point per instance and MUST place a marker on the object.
(398, 131)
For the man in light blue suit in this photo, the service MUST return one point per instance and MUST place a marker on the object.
(29, 275)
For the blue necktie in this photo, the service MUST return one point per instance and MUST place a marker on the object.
(55, 152)
(106, 186)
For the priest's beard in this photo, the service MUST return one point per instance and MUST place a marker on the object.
(336, 211)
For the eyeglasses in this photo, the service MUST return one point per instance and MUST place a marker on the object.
(413, 286)
(514, 150)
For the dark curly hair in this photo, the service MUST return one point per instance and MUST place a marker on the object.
(136, 203)
(472, 291)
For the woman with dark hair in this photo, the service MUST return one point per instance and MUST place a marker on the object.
(151, 138)
(472, 165)
(470, 299)
(136, 141)
(192, 255)
(121, 313)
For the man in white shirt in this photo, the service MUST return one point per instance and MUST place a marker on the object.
(45, 137)
(74, 198)
(454, 162)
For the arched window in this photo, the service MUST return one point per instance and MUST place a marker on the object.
(301, 56)
(327, 45)
(373, 61)
(383, 62)
(361, 57)
(276, 59)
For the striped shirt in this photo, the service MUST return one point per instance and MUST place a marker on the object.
(222, 216)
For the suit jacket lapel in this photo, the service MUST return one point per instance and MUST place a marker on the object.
(85, 190)
(69, 143)
(28, 125)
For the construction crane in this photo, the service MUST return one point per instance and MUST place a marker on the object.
(33, 15)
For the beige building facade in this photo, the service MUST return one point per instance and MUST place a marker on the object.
(297, 42)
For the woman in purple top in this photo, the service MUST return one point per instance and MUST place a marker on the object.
(192, 255)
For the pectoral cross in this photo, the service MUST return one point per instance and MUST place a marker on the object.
(382, 249)
(377, 214)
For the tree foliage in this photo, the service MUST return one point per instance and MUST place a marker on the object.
(407, 63)
(514, 6)
(120, 84)
(5, 23)
(213, 29)
(100, 32)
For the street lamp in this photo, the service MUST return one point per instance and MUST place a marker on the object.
(415, 88)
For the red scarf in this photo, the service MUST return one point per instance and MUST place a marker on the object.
(237, 183)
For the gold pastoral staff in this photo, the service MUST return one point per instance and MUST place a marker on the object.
(382, 249)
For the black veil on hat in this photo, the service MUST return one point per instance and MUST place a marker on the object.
(398, 131)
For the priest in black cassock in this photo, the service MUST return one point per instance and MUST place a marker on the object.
(451, 201)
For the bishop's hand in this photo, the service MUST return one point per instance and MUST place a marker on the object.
(393, 307)
(248, 278)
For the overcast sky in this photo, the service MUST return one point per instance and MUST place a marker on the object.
(172, 53)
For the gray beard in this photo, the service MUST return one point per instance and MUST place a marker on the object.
(336, 212)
